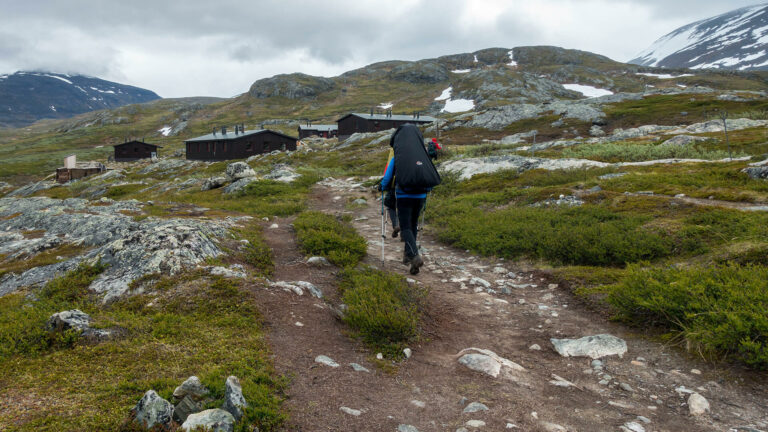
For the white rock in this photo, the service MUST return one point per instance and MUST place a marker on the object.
(534, 347)
(479, 281)
(490, 363)
(475, 423)
(359, 368)
(274, 226)
(379, 356)
(697, 404)
(407, 352)
(215, 420)
(299, 324)
(326, 361)
(318, 261)
(418, 403)
(552, 427)
(633, 427)
(594, 347)
(351, 411)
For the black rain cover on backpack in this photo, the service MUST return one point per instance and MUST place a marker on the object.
(414, 171)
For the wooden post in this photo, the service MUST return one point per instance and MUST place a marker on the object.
(724, 117)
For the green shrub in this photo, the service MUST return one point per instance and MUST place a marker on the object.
(620, 152)
(324, 235)
(22, 321)
(716, 310)
(383, 309)
(586, 235)
(256, 252)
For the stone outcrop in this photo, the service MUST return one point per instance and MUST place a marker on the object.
(214, 420)
(191, 387)
(213, 183)
(291, 86)
(130, 248)
(466, 168)
(153, 410)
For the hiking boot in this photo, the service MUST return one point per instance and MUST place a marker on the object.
(406, 258)
(395, 231)
(416, 262)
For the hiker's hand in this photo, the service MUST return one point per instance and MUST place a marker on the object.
(379, 187)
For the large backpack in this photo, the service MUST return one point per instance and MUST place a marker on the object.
(414, 171)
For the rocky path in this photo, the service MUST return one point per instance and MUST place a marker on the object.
(490, 305)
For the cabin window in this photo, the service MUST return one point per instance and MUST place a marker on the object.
(224, 146)
(209, 147)
(283, 146)
(267, 146)
(248, 146)
(199, 147)
(135, 149)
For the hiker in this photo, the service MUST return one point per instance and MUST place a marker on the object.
(432, 148)
(390, 201)
(414, 175)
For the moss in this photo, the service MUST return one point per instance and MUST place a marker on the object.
(323, 235)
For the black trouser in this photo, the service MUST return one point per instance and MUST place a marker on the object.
(390, 203)
(408, 211)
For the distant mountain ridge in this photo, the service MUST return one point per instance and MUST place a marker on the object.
(734, 40)
(26, 97)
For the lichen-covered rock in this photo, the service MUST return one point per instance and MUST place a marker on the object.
(213, 183)
(31, 188)
(466, 168)
(757, 172)
(282, 173)
(683, 140)
(66, 320)
(153, 410)
(214, 420)
(234, 402)
(184, 408)
(239, 170)
(191, 387)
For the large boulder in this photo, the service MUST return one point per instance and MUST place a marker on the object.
(153, 410)
(66, 320)
(239, 170)
(213, 183)
(239, 185)
(191, 387)
(234, 402)
(757, 172)
(282, 173)
(595, 347)
(213, 420)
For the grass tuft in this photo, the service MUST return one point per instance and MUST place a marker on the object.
(324, 235)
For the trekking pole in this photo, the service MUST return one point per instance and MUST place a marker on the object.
(382, 228)
(423, 218)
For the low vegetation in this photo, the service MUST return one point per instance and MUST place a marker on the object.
(714, 310)
(324, 235)
(629, 152)
(382, 309)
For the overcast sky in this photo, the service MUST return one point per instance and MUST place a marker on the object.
(218, 48)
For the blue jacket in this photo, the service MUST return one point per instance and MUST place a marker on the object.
(389, 174)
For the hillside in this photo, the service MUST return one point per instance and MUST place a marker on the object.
(592, 262)
(732, 41)
(26, 97)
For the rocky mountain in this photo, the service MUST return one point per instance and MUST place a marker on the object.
(734, 40)
(26, 97)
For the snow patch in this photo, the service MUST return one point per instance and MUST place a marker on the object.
(458, 105)
(663, 76)
(512, 61)
(460, 71)
(475, 58)
(588, 91)
(445, 95)
(54, 76)
(386, 105)
(165, 131)
(53, 108)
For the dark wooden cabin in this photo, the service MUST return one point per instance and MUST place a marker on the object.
(134, 150)
(323, 131)
(239, 144)
(358, 122)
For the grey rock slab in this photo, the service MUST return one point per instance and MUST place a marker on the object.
(475, 407)
(232, 272)
(153, 410)
(595, 347)
(66, 320)
(191, 387)
(239, 185)
(213, 183)
(214, 420)
(326, 361)
(234, 402)
(184, 408)
(475, 423)
(406, 428)
(632, 427)
(282, 173)
(552, 427)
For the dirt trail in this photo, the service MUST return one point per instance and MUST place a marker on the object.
(427, 389)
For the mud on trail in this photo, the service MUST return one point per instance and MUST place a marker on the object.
(647, 389)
